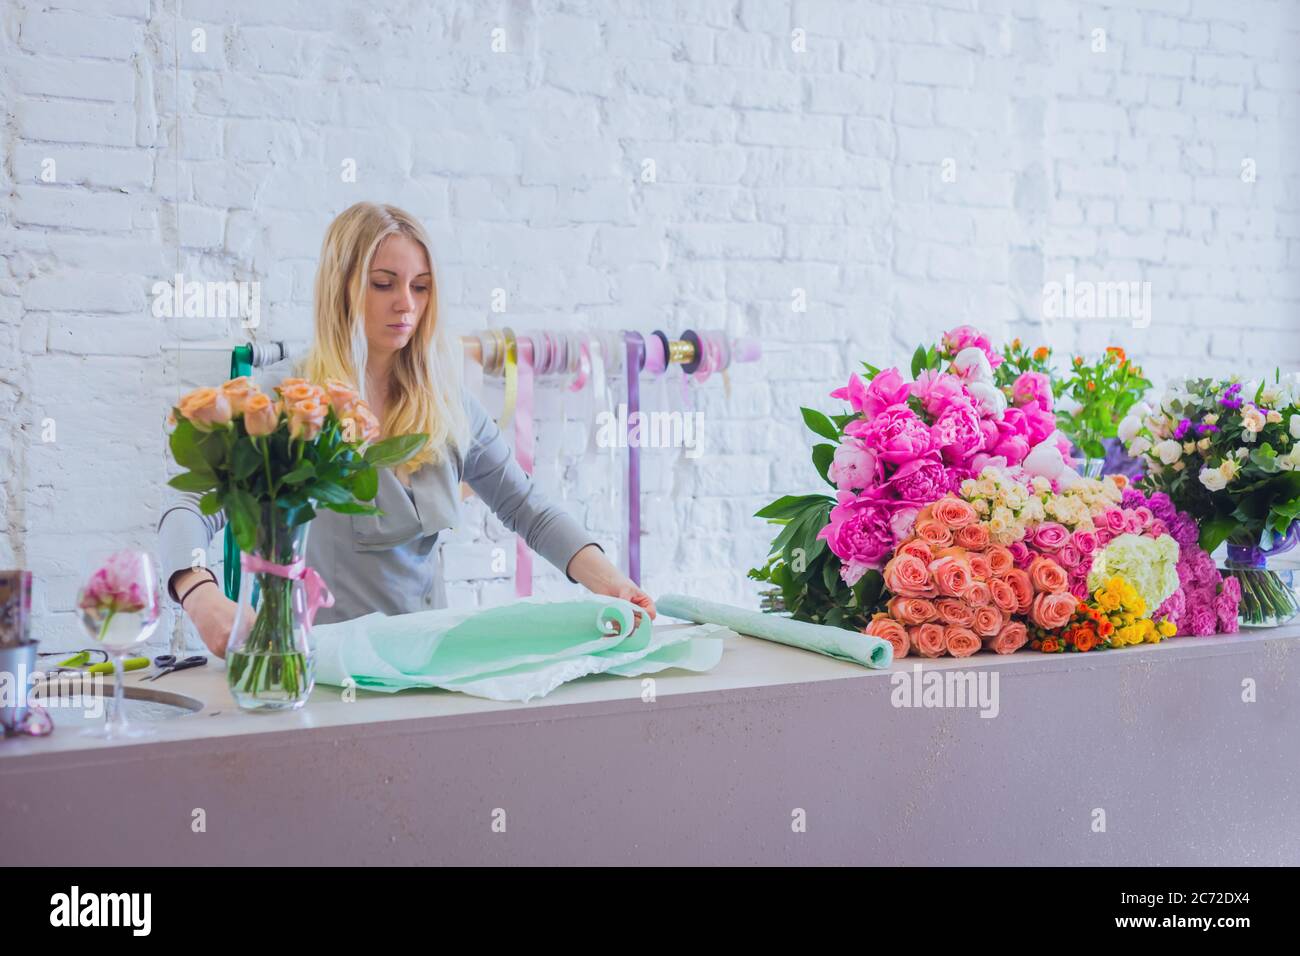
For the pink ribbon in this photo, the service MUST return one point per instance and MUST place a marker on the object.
(318, 595)
(524, 438)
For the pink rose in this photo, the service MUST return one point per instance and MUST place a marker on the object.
(1046, 575)
(1069, 557)
(954, 512)
(1079, 588)
(960, 641)
(927, 639)
(988, 621)
(859, 534)
(896, 434)
(854, 466)
(951, 575)
(1115, 521)
(889, 630)
(1013, 636)
(1085, 542)
(907, 575)
(1145, 517)
(1050, 536)
(1103, 534)
(1020, 553)
(1051, 611)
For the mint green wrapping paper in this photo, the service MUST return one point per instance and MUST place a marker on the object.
(518, 651)
(832, 641)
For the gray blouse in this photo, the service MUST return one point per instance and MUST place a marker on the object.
(388, 562)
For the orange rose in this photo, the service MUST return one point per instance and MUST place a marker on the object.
(1023, 588)
(261, 415)
(927, 639)
(917, 547)
(908, 575)
(1053, 610)
(237, 392)
(302, 392)
(205, 408)
(979, 565)
(883, 627)
(951, 575)
(910, 610)
(933, 532)
(954, 513)
(1085, 639)
(988, 621)
(1010, 639)
(973, 536)
(358, 423)
(1049, 646)
(286, 383)
(341, 395)
(954, 611)
(306, 418)
(1003, 596)
(960, 641)
(1000, 560)
(1046, 575)
(978, 594)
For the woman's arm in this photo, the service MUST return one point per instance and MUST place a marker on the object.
(184, 532)
(491, 470)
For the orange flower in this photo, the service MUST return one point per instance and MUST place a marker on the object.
(1105, 628)
(1078, 360)
(1091, 386)
(1041, 353)
(1116, 352)
(1049, 646)
(1015, 343)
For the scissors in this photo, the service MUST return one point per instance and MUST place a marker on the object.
(169, 663)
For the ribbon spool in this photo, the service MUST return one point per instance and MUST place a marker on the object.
(525, 436)
(636, 355)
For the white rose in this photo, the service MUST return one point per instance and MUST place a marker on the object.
(1213, 479)
(1129, 426)
(1294, 426)
(989, 396)
(1169, 451)
(973, 365)
(1139, 446)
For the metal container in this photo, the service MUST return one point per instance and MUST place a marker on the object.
(16, 666)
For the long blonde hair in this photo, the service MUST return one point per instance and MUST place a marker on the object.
(425, 395)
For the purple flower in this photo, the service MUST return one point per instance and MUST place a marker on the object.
(1201, 620)
(1230, 399)
(1181, 430)
(1205, 428)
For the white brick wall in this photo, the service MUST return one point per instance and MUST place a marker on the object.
(821, 170)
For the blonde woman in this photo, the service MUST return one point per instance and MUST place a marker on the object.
(377, 326)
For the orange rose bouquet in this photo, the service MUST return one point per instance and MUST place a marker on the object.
(268, 462)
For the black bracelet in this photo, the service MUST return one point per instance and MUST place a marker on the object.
(212, 579)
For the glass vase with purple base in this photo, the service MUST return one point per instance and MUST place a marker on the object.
(1268, 596)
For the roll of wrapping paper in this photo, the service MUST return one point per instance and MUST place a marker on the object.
(831, 641)
(524, 440)
(635, 358)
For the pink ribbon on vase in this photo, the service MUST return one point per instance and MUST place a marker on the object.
(317, 593)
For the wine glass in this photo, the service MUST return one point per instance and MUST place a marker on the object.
(120, 605)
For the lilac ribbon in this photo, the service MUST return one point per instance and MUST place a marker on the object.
(635, 356)
(524, 439)
(1254, 556)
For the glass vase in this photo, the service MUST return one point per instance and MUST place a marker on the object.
(1092, 467)
(1268, 597)
(269, 663)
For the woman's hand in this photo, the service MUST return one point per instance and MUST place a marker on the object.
(590, 568)
(212, 612)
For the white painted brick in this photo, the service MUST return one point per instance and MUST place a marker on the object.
(75, 35)
(69, 121)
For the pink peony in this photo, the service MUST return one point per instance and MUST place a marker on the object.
(965, 337)
(957, 433)
(886, 389)
(937, 390)
(896, 434)
(859, 534)
(920, 481)
(1032, 388)
(855, 393)
(854, 466)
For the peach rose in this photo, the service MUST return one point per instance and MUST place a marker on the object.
(359, 424)
(908, 575)
(973, 536)
(286, 383)
(988, 621)
(954, 611)
(1019, 581)
(261, 415)
(910, 610)
(917, 547)
(978, 594)
(883, 627)
(960, 641)
(1010, 639)
(954, 513)
(979, 565)
(951, 575)
(927, 639)
(1004, 597)
(933, 532)
(1000, 560)
(341, 395)
(303, 392)
(1046, 575)
(306, 418)
(1053, 610)
(206, 408)
(237, 392)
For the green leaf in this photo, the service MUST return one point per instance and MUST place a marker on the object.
(194, 481)
(184, 446)
(1216, 530)
(241, 508)
(351, 508)
(328, 493)
(393, 451)
(919, 361)
(210, 503)
(246, 459)
(822, 456)
(366, 484)
(788, 506)
(831, 577)
(820, 424)
(302, 472)
(868, 589)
